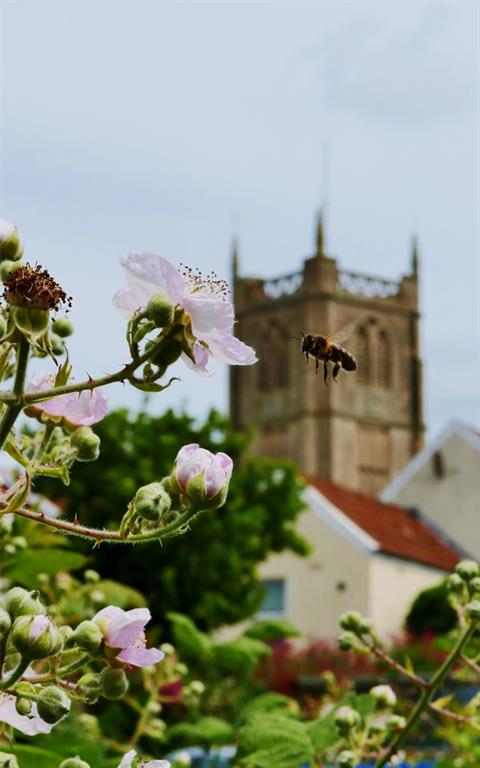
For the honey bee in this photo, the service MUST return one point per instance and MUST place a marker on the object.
(329, 349)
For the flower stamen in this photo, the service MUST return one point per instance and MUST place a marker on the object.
(209, 284)
(34, 288)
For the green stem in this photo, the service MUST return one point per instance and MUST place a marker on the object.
(427, 695)
(13, 409)
(91, 384)
(16, 674)
(98, 535)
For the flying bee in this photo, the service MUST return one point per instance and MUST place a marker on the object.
(329, 349)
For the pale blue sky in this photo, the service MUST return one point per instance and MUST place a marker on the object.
(168, 126)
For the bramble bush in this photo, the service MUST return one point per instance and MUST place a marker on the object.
(81, 684)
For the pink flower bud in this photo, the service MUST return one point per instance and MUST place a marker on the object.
(199, 470)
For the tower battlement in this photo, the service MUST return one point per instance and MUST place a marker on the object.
(361, 431)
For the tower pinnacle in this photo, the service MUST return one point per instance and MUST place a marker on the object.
(320, 234)
(414, 256)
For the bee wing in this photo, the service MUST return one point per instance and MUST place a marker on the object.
(341, 336)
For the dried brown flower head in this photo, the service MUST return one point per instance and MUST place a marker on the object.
(34, 288)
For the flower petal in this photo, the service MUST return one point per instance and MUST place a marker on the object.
(126, 302)
(202, 356)
(140, 657)
(149, 273)
(124, 630)
(31, 725)
(208, 314)
(228, 349)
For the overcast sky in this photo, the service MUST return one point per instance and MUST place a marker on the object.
(170, 126)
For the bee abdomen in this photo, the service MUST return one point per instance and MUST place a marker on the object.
(348, 363)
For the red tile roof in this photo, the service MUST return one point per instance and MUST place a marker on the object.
(397, 530)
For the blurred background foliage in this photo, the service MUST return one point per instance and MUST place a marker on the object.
(209, 574)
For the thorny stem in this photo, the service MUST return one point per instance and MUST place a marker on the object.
(380, 654)
(101, 534)
(426, 696)
(15, 406)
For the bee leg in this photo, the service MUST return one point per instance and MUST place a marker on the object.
(336, 370)
(325, 372)
(316, 366)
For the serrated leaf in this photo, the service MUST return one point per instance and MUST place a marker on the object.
(190, 641)
(240, 655)
(270, 630)
(270, 703)
(27, 564)
(275, 741)
(206, 731)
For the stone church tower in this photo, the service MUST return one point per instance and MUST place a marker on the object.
(361, 431)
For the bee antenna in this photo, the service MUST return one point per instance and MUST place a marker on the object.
(297, 338)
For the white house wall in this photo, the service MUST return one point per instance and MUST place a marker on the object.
(452, 502)
(314, 601)
(394, 585)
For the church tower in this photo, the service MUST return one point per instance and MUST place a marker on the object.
(360, 432)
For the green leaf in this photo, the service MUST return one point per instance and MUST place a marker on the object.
(270, 703)
(275, 741)
(240, 655)
(324, 733)
(189, 640)
(270, 630)
(120, 595)
(206, 731)
(27, 564)
(34, 757)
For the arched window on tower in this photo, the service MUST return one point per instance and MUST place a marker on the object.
(383, 362)
(361, 352)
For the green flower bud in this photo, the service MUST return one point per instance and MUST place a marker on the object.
(197, 687)
(87, 636)
(346, 719)
(86, 443)
(31, 322)
(62, 327)
(151, 502)
(19, 542)
(474, 585)
(89, 687)
(88, 724)
(114, 683)
(7, 267)
(9, 549)
(23, 706)
(52, 704)
(472, 609)
(91, 576)
(351, 621)
(167, 649)
(156, 728)
(25, 689)
(467, 569)
(346, 759)
(10, 243)
(396, 723)
(5, 623)
(366, 627)
(154, 707)
(36, 637)
(66, 633)
(56, 345)
(20, 602)
(6, 525)
(8, 761)
(455, 584)
(160, 310)
(384, 696)
(74, 762)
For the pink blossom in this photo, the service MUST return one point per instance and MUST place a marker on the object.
(129, 757)
(31, 724)
(124, 630)
(192, 461)
(79, 408)
(204, 300)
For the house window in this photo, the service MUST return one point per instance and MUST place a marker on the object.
(274, 600)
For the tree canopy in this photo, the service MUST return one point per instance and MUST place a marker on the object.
(209, 573)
